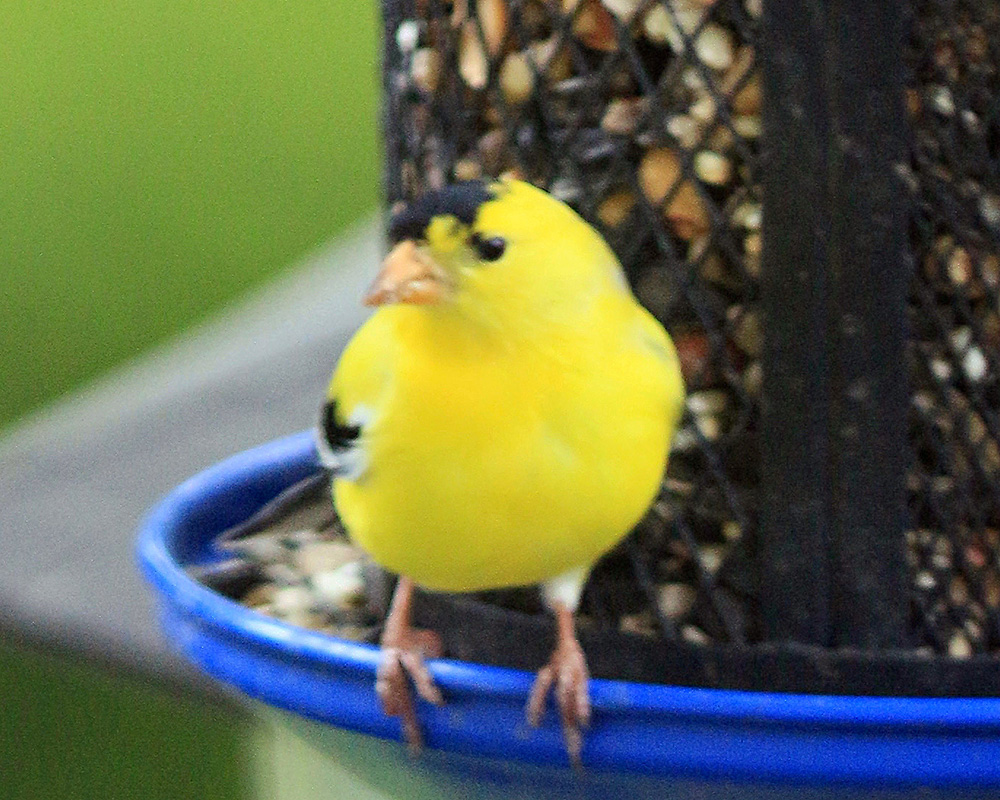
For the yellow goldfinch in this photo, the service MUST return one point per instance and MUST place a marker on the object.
(502, 419)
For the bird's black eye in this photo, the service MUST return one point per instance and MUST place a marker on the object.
(488, 249)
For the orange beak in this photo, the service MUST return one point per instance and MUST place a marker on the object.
(408, 275)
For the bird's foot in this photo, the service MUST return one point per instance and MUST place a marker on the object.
(567, 673)
(404, 649)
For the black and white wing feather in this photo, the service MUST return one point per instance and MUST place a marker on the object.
(340, 443)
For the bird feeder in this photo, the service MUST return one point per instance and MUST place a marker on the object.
(808, 197)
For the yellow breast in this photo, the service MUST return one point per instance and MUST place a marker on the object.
(510, 466)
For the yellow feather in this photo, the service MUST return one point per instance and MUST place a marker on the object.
(519, 429)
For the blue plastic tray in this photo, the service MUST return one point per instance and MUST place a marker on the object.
(642, 730)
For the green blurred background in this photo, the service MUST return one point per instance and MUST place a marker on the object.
(158, 158)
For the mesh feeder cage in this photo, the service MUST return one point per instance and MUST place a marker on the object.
(808, 197)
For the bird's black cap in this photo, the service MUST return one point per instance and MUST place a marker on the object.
(460, 200)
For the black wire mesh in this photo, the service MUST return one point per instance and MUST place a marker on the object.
(954, 484)
(645, 117)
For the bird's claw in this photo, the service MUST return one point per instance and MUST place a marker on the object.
(400, 665)
(567, 673)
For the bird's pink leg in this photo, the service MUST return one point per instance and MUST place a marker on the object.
(404, 649)
(567, 672)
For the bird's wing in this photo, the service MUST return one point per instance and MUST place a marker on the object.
(305, 505)
(353, 400)
(338, 441)
(654, 338)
